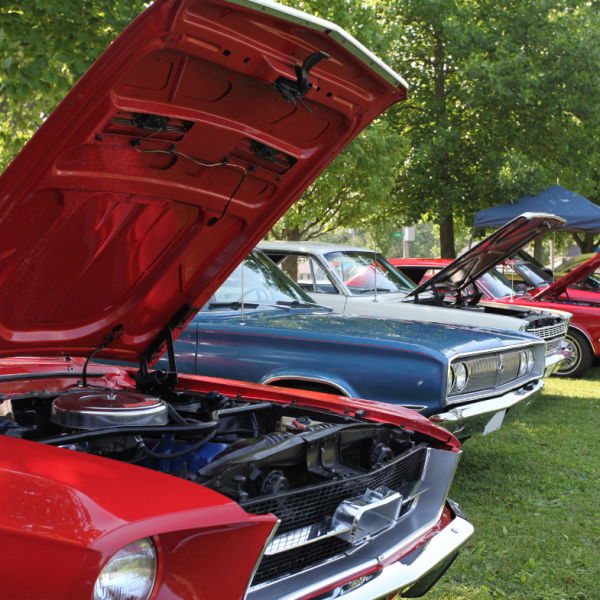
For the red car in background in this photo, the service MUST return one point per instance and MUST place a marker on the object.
(583, 335)
(537, 281)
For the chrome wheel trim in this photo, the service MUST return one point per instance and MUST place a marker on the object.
(572, 362)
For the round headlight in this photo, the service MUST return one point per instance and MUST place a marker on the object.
(130, 574)
(450, 380)
(462, 376)
(523, 363)
(530, 360)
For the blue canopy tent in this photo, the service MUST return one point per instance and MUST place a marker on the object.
(580, 213)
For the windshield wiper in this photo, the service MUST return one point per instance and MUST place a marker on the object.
(297, 304)
(373, 289)
(212, 305)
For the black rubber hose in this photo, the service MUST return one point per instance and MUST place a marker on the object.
(145, 431)
(181, 453)
(175, 415)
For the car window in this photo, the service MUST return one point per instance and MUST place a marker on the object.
(495, 285)
(362, 272)
(537, 277)
(263, 283)
(308, 274)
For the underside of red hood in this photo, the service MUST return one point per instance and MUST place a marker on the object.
(576, 275)
(110, 215)
(487, 254)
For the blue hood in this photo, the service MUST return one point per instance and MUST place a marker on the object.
(443, 339)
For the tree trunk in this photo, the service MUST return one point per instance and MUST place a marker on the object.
(447, 237)
(587, 245)
(538, 249)
(292, 235)
(439, 81)
(290, 264)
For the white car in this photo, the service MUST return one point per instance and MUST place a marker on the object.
(360, 281)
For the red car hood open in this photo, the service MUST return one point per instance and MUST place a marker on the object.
(110, 214)
(581, 272)
(470, 266)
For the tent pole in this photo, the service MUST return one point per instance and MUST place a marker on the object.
(552, 255)
(472, 234)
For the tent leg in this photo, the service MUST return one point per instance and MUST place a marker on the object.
(472, 234)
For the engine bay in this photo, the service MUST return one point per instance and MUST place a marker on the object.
(245, 449)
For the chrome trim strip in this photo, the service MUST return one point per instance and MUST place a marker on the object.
(260, 557)
(500, 349)
(270, 380)
(337, 33)
(398, 547)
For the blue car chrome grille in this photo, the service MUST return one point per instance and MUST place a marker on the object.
(490, 372)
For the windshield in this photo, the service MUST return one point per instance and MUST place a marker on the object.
(357, 271)
(495, 285)
(531, 273)
(264, 283)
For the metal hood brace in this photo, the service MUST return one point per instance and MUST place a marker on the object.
(174, 154)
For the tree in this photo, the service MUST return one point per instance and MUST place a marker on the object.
(45, 47)
(359, 182)
(502, 102)
(353, 189)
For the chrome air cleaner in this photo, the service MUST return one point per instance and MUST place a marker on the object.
(87, 409)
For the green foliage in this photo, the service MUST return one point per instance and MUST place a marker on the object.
(45, 47)
(354, 187)
(501, 102)
(358, 184)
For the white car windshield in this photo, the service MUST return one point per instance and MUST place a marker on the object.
(264, 284)
(362, 272)
(495, 285)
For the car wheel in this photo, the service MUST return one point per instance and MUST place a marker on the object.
(581, 357)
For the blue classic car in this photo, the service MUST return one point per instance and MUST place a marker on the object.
(469, 380)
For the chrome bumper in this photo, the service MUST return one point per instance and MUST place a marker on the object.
(413, 577)
(554, 361)
(483, 416)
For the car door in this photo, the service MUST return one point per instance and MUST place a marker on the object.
(309, 274)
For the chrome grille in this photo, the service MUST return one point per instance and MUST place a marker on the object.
(483, 373)
(553, 347)
(550, 331)
(492, 371)
(510, 361)
(311, 506)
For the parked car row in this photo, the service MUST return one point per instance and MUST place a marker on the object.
(566, 293)
(173, 400)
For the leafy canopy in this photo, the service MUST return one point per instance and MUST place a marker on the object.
(45, 47)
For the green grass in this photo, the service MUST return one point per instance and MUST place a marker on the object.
(532, 491)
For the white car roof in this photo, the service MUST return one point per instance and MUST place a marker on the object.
(308, 247)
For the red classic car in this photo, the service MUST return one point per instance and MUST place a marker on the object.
(583, 334)
(536, 281)
(175, 153)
